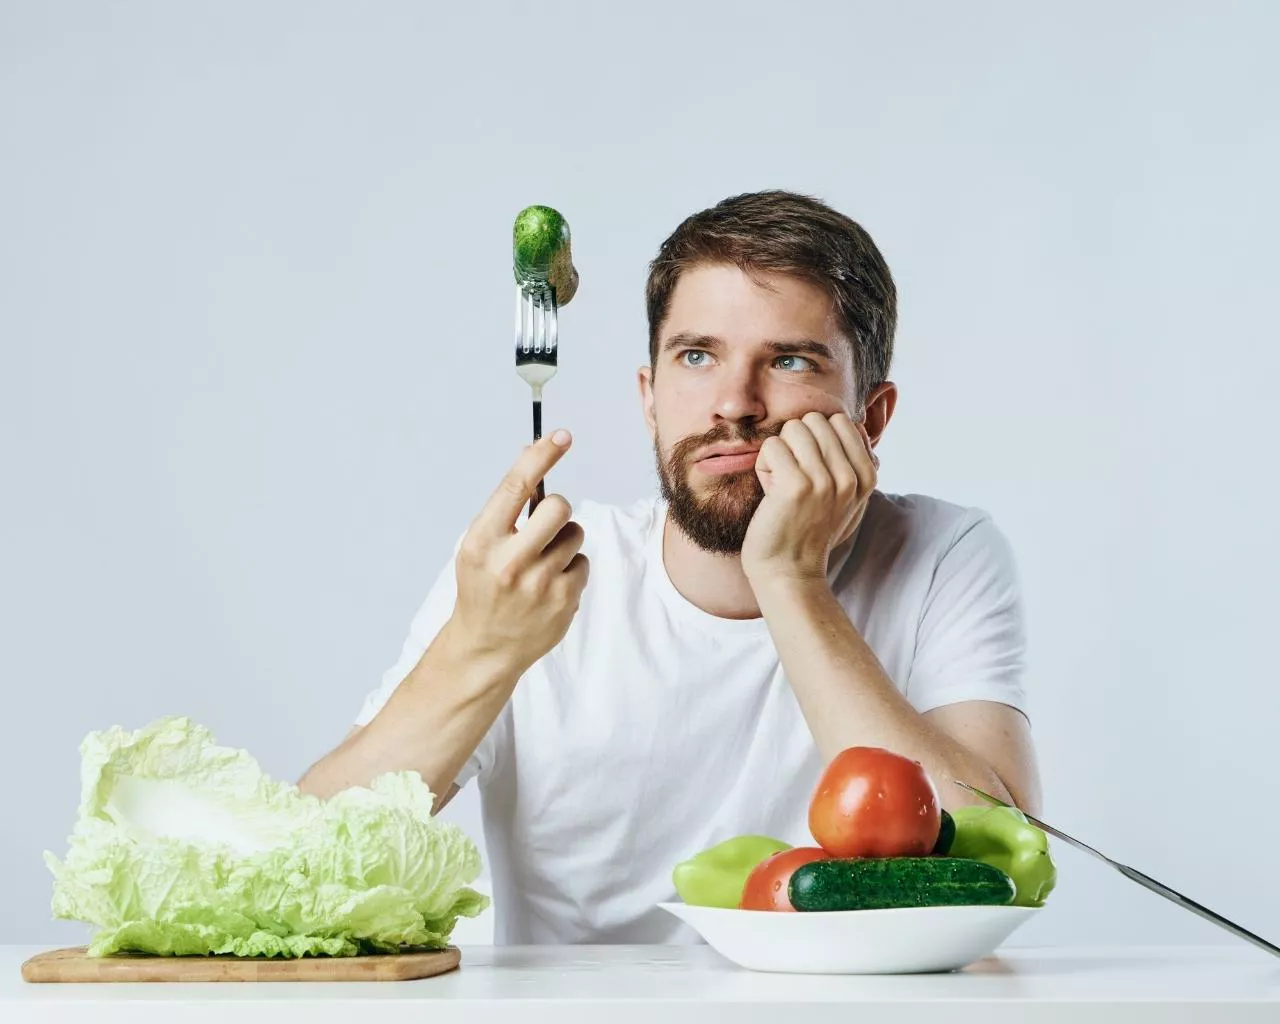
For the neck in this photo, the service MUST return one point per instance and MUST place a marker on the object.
(714, 583)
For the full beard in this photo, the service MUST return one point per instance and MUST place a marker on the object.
(716, 519)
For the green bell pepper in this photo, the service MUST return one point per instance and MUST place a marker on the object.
(1003, 838)
(716, 876)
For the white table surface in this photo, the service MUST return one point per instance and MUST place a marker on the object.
(675, 984)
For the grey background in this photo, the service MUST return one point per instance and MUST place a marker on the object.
(255, 302)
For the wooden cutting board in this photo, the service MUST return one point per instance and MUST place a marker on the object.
(72, 964)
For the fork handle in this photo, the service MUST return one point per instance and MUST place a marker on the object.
(541, 491)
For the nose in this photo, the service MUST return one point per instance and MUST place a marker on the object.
(739, 396)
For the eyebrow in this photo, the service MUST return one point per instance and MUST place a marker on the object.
(805, 346)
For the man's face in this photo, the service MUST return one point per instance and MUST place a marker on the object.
(737, 358)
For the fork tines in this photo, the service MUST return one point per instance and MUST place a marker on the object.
(536, 332)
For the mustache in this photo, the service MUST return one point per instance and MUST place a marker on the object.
(683, 451)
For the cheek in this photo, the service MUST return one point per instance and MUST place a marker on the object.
(675, 407)
(792, 400)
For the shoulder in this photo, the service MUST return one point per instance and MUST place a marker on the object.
(619, 531)
(923, 521)
(917, 535)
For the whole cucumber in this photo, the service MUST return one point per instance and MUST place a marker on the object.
(881, 883)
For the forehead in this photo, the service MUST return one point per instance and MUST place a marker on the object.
(726, 302)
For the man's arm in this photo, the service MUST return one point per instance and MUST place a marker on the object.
(517, 592)
(431, 724)
(308, 784)
(818, 475)
(848, 700)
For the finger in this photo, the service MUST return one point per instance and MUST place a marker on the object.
(557, 555)
(856, 447)
(578, 571)
(833, 451)
(846, 430)
(866, 439)
(804, 445)
(777, 463)
(538, 532)
(499, 515)
(573, 580)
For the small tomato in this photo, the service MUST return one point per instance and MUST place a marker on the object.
(766, 887)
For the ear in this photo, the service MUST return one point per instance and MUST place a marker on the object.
(644, 377)
(880, 405)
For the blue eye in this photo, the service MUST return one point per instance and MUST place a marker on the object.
(809, 363)
(693, 352)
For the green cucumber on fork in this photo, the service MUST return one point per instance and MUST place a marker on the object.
(542, 252)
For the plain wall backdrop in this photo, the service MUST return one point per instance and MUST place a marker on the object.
(255, 308)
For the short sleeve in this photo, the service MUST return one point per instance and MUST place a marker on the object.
(426, 624)
(971, 639)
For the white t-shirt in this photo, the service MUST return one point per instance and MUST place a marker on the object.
(655, 730)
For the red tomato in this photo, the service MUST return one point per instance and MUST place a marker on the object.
(871, 802)
(766, 887)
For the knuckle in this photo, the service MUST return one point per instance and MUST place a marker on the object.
(507, 575)
(514, 486)
(536, 580)
(472, 549)
(563, 591)
(569, 596)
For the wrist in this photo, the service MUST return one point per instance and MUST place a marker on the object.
(785, 576)
(477, 669)
(779, 591)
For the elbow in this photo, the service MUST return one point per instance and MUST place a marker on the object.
(1025, 798)
(308, 785)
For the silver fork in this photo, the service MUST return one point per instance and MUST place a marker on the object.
(537, 330)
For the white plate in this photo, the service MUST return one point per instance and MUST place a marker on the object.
(906, 941)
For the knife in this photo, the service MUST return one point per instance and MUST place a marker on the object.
(1133, 874)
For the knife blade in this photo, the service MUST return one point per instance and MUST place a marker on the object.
(1134, 875)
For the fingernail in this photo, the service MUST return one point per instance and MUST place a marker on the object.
(562, 438)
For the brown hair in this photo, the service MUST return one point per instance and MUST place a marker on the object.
(784, 232)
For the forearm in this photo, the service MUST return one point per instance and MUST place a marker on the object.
(847, 698)
(431, 724)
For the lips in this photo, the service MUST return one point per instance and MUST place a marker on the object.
(720, 452)
(741, 460)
